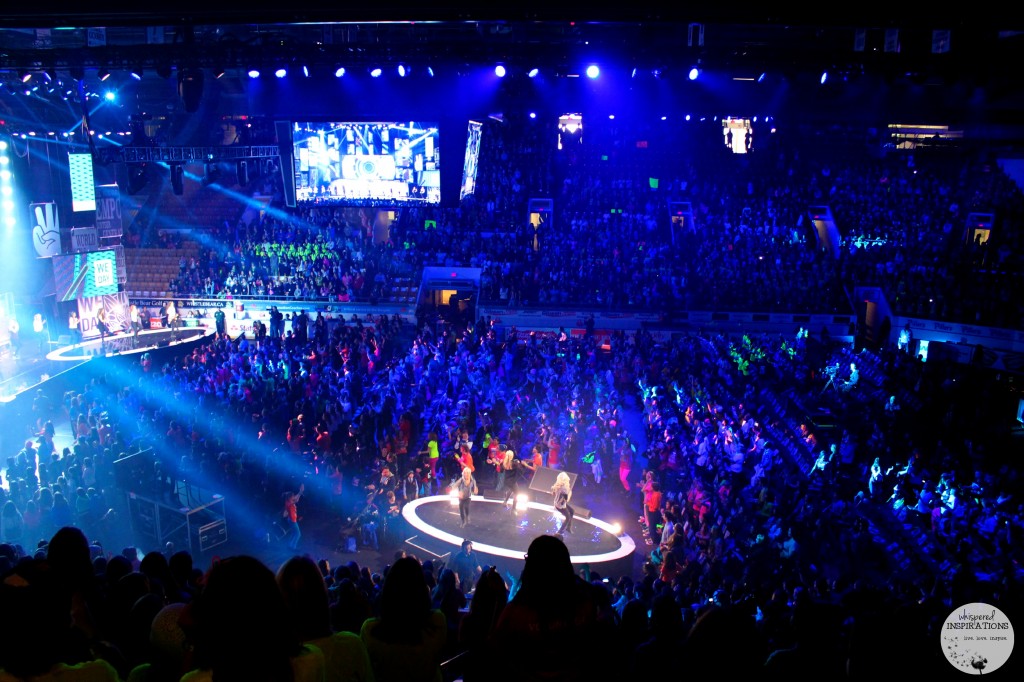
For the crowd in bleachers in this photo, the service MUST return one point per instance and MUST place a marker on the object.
(749, 243)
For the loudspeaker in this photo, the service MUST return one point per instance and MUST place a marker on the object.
(177, 179)
(136, 177)
(190, 88)
(544, 478)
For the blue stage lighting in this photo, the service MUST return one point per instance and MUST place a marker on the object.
(281, 73)
(694, 73)
(339, 72)
(253, 73)
(533, 73)
(593, 71)
(499, 71)
(375, 72)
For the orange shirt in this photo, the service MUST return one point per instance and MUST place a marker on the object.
(653, 500)
(467, 460)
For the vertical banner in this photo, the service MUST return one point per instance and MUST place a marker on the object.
(116, 306)
(108, 211)
(45, 229)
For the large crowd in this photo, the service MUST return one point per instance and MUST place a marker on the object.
(740, 536)
(814, 546)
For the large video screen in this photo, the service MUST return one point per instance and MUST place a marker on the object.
(469, 168)
(83, 275)
(367, 162)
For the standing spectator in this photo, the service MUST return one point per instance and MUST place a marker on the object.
(243, 629)
(406, 640)
(305, 595)
(291, 516)
(466, 564)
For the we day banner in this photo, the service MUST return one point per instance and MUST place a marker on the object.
(116, 306)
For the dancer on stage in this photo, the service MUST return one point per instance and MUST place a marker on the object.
(173, 318)
(514, 468)
(465, 487)
(135, 321)
(562, 490)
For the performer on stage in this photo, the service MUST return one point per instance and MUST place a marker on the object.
(562, 490)
(135, 320)
(173, 318)
(74, 327)
(291, 515)
(514, 468)
(465, 487)
(101, 324)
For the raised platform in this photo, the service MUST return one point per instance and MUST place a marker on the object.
(125, 344)
(497, 532)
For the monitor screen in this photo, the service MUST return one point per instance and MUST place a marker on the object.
(472, 159)
(83, 275)
(377, 162)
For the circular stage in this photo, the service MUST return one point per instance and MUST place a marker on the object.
(496, 531)
(124, 344)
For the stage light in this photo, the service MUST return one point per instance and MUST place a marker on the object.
(533, 114)
(593, 71)
(305, 71)
(760, 79)
(219, 71)
(499, 71)
(281, 73)
(633, 74)
(617, 528)
(103, 74)
(694, 73)
(533, 73)
(137, 75)
(664, 118)
(254, 73)
(453, 497)
(375, 72)
(110, 95)
(401, 71)
(522, 502)
(5, 175)
(26, 76)
(611, 117)
(824, 77)
(9, 221)
(430, 71)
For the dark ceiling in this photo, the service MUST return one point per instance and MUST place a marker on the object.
(918, 47)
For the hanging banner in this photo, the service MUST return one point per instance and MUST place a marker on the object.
(46, 229)
(108, 211)
(116, 307)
